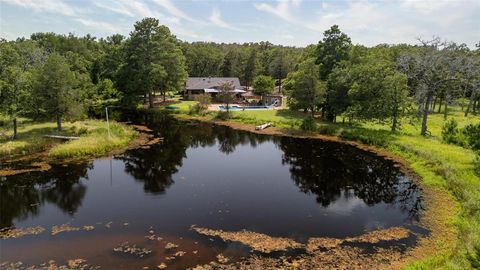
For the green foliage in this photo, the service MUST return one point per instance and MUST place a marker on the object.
(308, 124)
(222, 115)
(203, 101)
(476, 164)
(94, 139)
(250, 68)
(53, 89)
(472, 135)
(327, 129)
(104, 94)
(153, 61)
(367, 136)
(331, 50)
(226, 95)
(263, 85)
(95, 142)
(304, 89)
(450, 132)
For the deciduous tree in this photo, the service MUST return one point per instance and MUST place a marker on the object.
(53, 89)
(263, 85)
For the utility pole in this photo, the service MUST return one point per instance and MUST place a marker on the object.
(108, 123)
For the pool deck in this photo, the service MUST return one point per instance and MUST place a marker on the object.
(216, 107)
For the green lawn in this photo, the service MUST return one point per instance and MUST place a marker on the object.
(94, 140)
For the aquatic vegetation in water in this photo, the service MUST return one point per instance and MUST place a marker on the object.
(162, 266)
(179, 253)
(67, 228)
(322, 252)
(126, 248)
(170, 246)
(19, 232)
(315, 242)
(221, 258)
(74, 264)
(373, 237)
(256, 241)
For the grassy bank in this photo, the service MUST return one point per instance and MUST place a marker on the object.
(94, 139)
(446, 169)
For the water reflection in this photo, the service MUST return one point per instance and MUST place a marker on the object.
(21, 196)
(329, 171)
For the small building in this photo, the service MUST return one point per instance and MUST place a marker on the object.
(272, 100)
(201, 85)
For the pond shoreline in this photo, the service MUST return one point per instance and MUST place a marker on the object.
(440, 206)
(42, 161)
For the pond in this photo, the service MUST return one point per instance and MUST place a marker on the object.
(205, 176)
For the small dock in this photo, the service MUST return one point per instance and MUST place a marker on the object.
(264, 126)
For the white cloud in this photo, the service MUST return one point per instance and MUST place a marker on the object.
(217, 20)
(52, 6)
(131, 8)
(173, 10)
(102, 26)
(282, 9)
(374, 22)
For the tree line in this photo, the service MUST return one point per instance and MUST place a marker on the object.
(65, 76)
(382, 83)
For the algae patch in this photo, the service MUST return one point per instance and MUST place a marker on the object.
(19, 232)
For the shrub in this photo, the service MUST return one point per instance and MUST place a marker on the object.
(450, 132)
(308, 124)
(472, 136)
(327, 129)
(203, 101)
(476, 164)
(222, 115)
(367, 136)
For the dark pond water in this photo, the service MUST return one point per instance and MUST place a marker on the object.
(207, 175)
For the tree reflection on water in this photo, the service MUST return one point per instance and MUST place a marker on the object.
(326, 169)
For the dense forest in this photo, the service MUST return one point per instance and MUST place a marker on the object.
(66, 76)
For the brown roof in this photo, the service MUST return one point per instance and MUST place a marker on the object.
(210, 82)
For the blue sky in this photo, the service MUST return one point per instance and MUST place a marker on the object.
(287, 22)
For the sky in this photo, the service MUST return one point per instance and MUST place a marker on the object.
(286, 22)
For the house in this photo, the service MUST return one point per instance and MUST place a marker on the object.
(201, 85)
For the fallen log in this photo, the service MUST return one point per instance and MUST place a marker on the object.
(61, 137)
(264, 126)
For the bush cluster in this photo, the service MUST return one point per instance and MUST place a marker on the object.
(308, 124)
(468, 137)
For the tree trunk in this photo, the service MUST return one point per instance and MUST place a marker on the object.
(423, 132)
(475, 104)
(280, 86)
(150, 99)
(469, 105)
(14, 128)
(59, 122)
(164, 95)
(434, 104)
(394, 120)
(440, 105)
(445, 114)
(420, 109)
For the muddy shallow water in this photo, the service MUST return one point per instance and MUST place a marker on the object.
(137, 209)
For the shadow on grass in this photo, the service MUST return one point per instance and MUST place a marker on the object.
(368, 136)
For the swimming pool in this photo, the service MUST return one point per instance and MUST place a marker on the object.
(237, 107)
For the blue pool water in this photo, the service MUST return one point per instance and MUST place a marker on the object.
(237, 107)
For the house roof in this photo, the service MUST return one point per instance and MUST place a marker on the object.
(211, 82)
